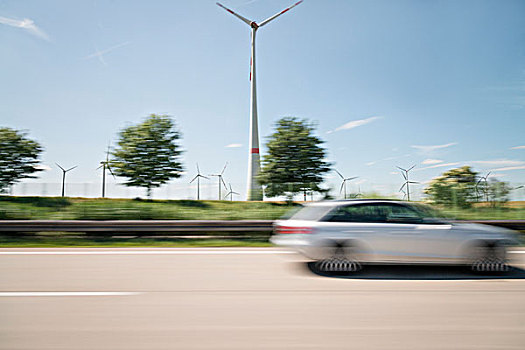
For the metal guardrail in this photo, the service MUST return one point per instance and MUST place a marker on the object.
(144, 227)
(168, 227)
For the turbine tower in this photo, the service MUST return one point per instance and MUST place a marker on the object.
(64, 171)
(221, 180)
(198, 178)
(254, 189)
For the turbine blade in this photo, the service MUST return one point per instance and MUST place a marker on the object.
(245, 20)
(72, 168)
(60, 167)
(342, 185)
(413, 182)
(198, 170)
(225, 165)
(400, 168)
(338, 173)
(195, 178)
(412, 167)
(235, 193)
(352, 178)
(111, 171)
(278, 14)
(224, 183)
(207, 178)
(401, 189)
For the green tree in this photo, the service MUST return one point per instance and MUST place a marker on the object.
(148, 153)
(294, 162)
(498, 191)
(18, 157)
(454, 187)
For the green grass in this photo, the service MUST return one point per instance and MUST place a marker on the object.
(52, 208)
(58, 208)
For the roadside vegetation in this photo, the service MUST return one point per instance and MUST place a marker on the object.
(63, 208)
(59, 208)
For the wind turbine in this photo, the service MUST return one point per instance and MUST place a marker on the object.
(254, 188)
(343, 184)
(231, 193)
(221, 180)
(64, 171)
(486, 186)
(105, 165)
(198, 178)
(407, 182)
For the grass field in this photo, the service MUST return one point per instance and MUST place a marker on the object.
(58, 208)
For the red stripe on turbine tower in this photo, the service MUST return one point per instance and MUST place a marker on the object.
(255, 150)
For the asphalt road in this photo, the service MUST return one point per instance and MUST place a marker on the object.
(246, 299)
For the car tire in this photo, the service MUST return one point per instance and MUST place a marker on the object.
(488, 258)
(341, 260)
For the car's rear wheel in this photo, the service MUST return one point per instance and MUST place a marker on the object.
(488, 258)
(341, 258)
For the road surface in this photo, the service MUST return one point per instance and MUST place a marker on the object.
(246, 299)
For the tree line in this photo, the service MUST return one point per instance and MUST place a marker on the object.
(149, 154)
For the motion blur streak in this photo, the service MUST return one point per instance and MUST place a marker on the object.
(252, 301)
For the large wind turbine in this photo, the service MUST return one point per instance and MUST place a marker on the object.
(254, 189)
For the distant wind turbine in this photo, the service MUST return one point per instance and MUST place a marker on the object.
(231, 193)
(105, 165)
(64, 171)
(485, 186)
(407, 182)
(198, 178)
(221, 180)
(343, 183)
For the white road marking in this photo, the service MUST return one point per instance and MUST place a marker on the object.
(65, 294)
(148, 252)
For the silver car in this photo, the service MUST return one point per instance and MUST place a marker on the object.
(343, 235)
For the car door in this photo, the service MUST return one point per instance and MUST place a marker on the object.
(411, 238)
(357, 224)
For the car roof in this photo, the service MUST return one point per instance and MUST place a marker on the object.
(334, 203)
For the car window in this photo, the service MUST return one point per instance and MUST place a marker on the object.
(374, 213)
(356, 213)
(310, 212)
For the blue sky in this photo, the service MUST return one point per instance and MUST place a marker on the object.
(434, 83)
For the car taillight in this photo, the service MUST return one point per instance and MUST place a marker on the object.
(292, 230)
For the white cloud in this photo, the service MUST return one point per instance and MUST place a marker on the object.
(510, 168)
(25, 24)
(432, 161)
(100, 54)
(438, 166)
(431, 148)
(394, 173)
(354, 124)
(234, 145)
(498, 162)
(518, 147)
